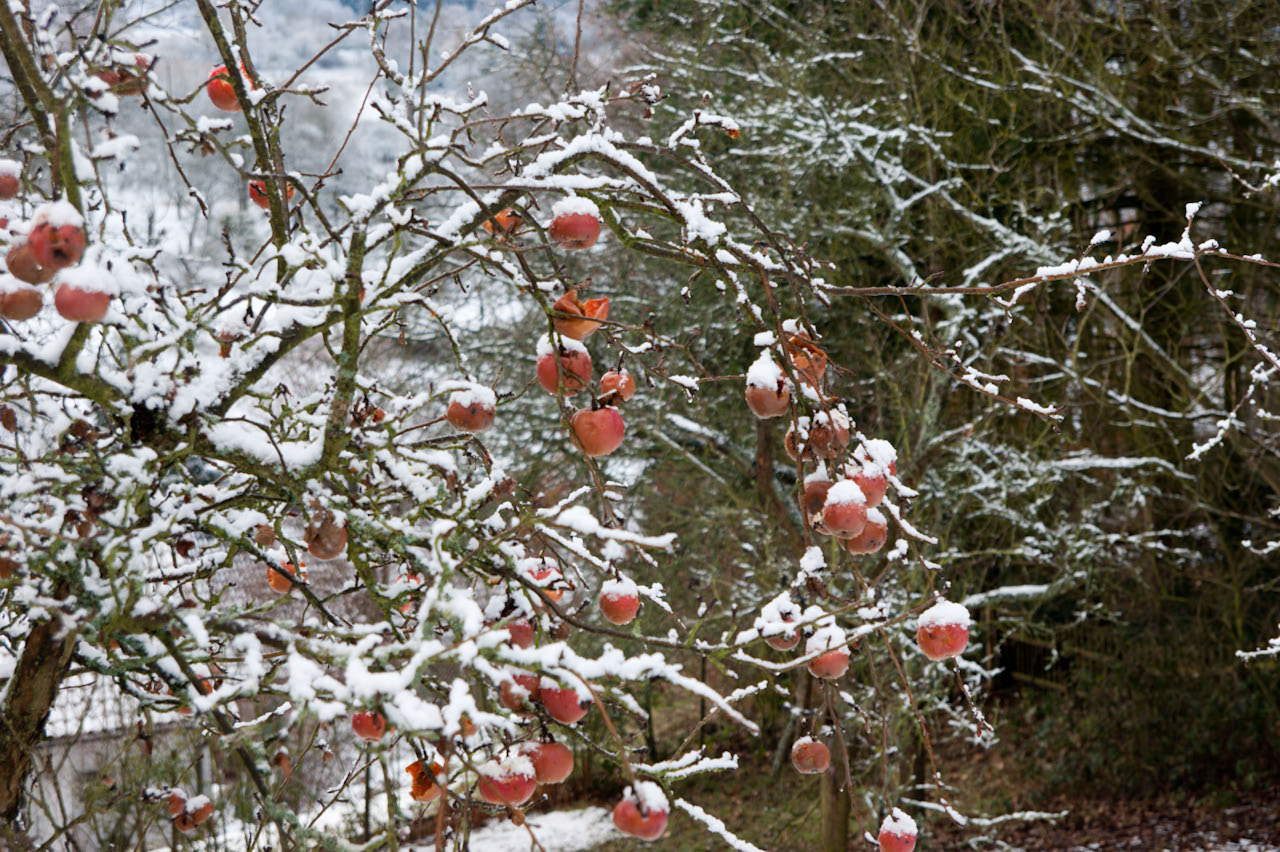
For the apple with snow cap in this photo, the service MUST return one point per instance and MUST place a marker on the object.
(873, 535)
(517, 693)
(561, 703)
(552, 762)
(833, 653)
(597, 432)
(10, 178)
(844, 512)
(57, 238)
(584, 317)
(575, 223)
(509, 781)
(810, 757)
(643, 811)
(898, 832)
(472, 409)
(777, 613)
(83, 294)
(369, 725)
(768, 393)
(942, 632)
(547, 574)
(569, 363)
(619, 600)
(620, 383)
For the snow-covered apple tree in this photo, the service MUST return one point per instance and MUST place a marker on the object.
(259, 486)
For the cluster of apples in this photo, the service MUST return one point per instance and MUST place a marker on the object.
(843, 505)
(565, 366)
(324, 537)
(54, 243)
(223, 96)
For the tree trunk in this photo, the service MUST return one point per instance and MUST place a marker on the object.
(835, 809)
(25, 706)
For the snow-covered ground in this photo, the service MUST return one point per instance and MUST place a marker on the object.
(558, 831)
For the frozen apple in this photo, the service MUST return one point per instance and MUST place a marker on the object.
(509, 781)
(521, 632)
(768, 393)
(10, 178)
(582, 318)
(83, 294)
(220, 90)
(563, 704)
(898, 832)
(575, 223)
(816, 486)
(472, 408)
(258, 193)
(620, 383)
(424, 784)
(567, 362)
(277, 579)
(844, 512)
(503, 223)
(552, 762)
(518, 691)
(57, 236)
(19, 303)
(823, 436)
(599, 432)
(369, 725)
(643, 811)
(547, 574)
(22, 265)
(829, 644)
(619, 600)
(807, 358)
(810, 757)
(873, 535)
(324, 536)
(942, 632)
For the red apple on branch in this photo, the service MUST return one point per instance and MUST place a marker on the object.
(584, 317)
(568, 362)
(472, 409)
(597, 432)
(575, 223)
(942, 632)
(810, 757)
(619, 600)
(509, 781)
(552, 762)
(642, 812)
(898, 832)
